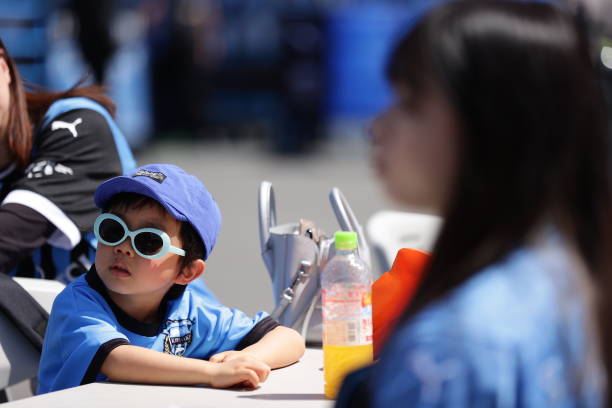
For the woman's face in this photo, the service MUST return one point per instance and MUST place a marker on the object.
(5, 93)
(415, 149)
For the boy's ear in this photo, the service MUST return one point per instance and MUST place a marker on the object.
(194, 270)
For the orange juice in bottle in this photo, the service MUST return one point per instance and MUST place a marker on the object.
(346, 284)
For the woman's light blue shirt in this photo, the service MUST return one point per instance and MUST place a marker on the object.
(518, 334)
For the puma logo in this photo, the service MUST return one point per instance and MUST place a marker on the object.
(58, 124)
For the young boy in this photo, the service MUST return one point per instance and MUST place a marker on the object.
(134, 317)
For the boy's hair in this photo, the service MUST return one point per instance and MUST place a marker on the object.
(191, 242)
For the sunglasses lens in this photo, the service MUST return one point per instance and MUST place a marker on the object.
(111, 231)
(148, 243)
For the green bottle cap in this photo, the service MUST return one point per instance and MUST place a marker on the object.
(345, 239)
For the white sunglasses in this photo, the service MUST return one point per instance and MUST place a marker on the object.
(149, 243)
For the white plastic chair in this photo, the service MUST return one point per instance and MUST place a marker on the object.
(18, 357)
(390, 231)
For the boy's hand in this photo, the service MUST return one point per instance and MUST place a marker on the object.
(242, 369)
(279, 347)
(229, 356)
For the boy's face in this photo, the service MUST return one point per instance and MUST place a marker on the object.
(124, 272)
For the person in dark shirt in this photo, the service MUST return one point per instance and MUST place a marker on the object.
(55, 149)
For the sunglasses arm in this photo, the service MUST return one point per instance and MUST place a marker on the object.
(176, 250)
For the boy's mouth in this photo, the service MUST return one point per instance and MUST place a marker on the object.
(119, 271)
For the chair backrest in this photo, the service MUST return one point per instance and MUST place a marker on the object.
(390, 231)
(43, 290)
(18, 356)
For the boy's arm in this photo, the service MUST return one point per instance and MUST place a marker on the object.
(279, 347)
(127, 363)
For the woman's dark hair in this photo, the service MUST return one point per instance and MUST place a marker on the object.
(27, 108)
(191, 241)
(533, 140)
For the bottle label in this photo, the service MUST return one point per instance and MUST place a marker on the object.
(347, 315)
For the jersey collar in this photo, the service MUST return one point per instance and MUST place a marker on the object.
(124, 319)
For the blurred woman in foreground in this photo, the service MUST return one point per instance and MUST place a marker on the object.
(500, 127)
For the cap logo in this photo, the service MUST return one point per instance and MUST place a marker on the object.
(154, 175)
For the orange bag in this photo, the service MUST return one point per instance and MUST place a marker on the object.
(392, 292)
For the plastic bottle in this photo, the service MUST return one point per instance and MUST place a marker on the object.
(346, 286)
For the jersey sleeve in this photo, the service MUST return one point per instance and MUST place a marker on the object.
(34, 230)
(72, 155)
(219, 328)
(81, 333)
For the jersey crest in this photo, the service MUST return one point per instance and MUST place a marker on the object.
(177, 336)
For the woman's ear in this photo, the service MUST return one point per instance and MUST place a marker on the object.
(192, 271)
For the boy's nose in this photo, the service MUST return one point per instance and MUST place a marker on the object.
(124, 248)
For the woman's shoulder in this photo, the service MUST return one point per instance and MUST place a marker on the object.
(516, 297)
(512, 325)
(64, 105)
(81, 127)
(74, 117)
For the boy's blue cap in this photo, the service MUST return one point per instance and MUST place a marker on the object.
(180, 193)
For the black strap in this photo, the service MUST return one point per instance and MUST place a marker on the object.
(22, 231)
(23, 311)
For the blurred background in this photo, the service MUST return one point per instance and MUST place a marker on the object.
(240, 91)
